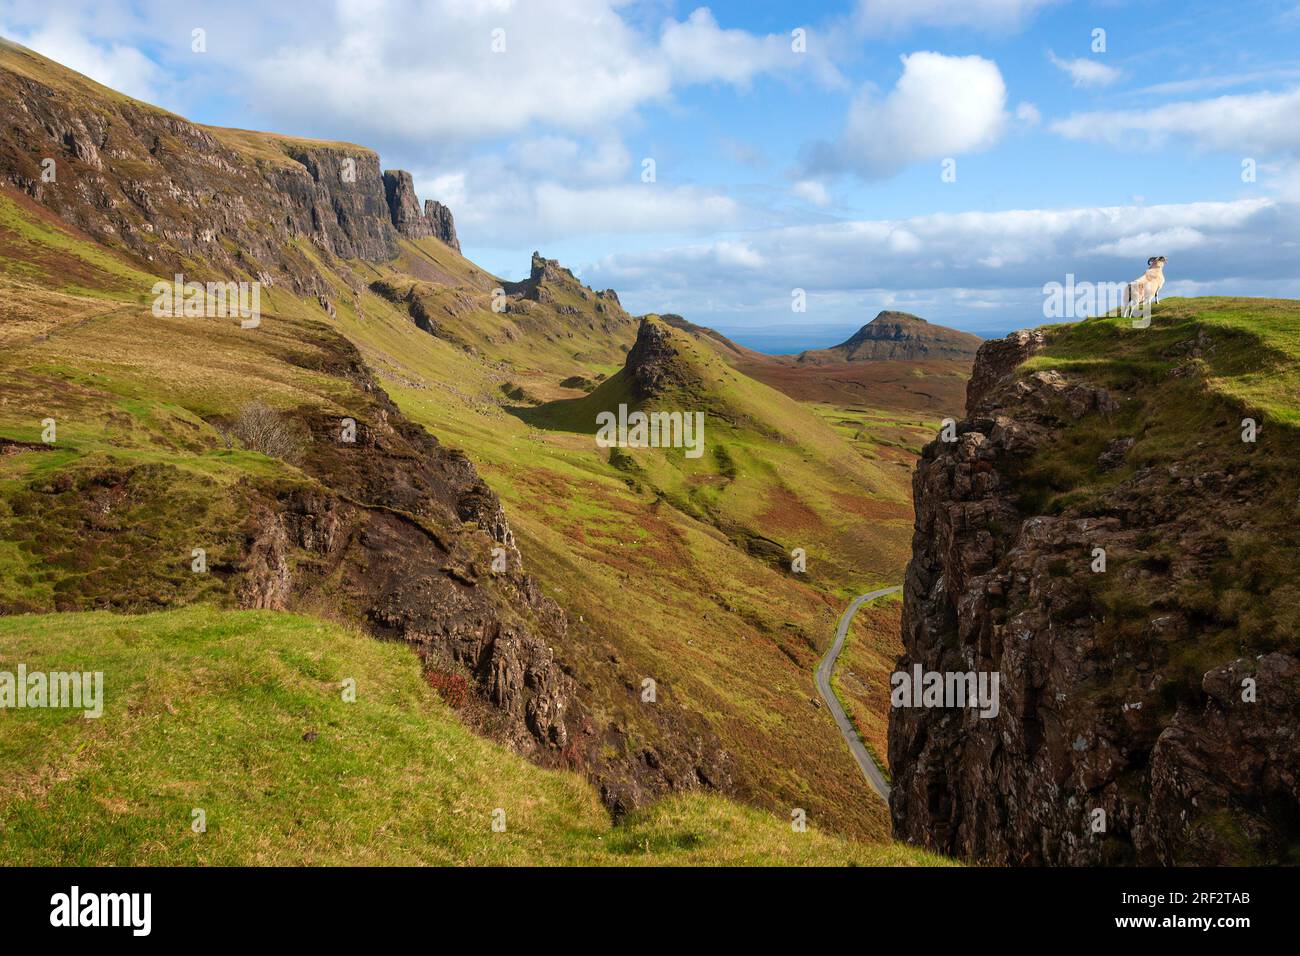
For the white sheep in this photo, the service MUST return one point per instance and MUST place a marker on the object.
(1146, 286)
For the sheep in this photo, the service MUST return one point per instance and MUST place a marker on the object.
(1146, 287)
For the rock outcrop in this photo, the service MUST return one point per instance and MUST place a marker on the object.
(441, 224)
(650, 362)
(404, 205)
(1134, 725)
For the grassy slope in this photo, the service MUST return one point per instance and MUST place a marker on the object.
(861, 676)
(211, 710)
(1185, 412)
(726, 636)
(653, 587)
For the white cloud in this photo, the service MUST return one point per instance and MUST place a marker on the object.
(570, 161)
(500, 202)
(1241, 124)
(411, 71)
(1027, 113)
(810, 190)
(112, 64)
(958, 264)
(1086, 72)
(573, 66)
(642, 208)
(1177, 239)
(699, 51)
(942, 106)
(896, 16)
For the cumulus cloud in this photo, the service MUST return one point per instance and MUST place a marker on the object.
(116, 65)
(1264, 122)
(959, 265)
(501, 201)
(699, 51)
(942, 106)
(1086, 72)
(896, 16)
(569, 65)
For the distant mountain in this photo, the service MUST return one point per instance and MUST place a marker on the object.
(898, 336)
(896, 361)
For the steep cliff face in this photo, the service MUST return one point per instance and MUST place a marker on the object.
(441, 223)
(1111, 548)
(400, 533)
(172, 193)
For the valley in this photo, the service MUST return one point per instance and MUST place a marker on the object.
(380, 568)
(475, 404)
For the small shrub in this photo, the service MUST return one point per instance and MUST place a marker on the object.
(262, 429)
(451, 687)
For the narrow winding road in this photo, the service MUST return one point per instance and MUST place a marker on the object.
(824, 669)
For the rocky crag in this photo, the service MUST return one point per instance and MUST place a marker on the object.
(1148, 710)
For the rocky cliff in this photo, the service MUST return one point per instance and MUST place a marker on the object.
(173, 194)
(1111, 548)
(404, 210)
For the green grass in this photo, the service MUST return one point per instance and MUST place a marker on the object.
(1183, 387)
(1249, 349)
(212, 710)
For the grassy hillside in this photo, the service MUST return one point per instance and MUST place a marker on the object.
(773, 476)
(668, 566)
(142, 474)
(241, 715)
(1185, 385)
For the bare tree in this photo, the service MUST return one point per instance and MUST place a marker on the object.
(261, 428)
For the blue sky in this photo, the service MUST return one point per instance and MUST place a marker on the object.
(775, 169)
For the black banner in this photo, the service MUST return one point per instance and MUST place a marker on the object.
(337, 905)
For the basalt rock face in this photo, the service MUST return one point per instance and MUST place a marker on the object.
(402, 535)
(170, 193)
(404, 205)
(441, 223)
(1092, 730)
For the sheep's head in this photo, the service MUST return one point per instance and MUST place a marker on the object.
(1156, 262)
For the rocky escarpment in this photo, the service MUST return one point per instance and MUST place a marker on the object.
(1149, 705)
(171, 193)
(548, 280)
(404, 209)
(441, 223)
